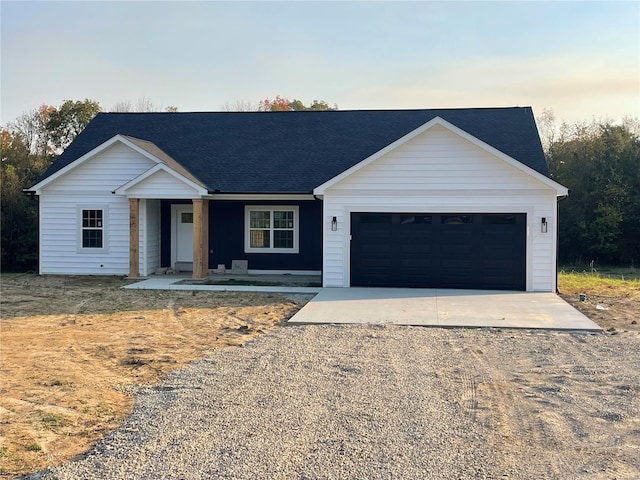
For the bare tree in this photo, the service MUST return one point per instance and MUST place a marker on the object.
(142, 105)
(122, 107)
(32, 126)
(241, 106)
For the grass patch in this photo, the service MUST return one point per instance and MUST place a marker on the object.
(51, 420)
(604, 281)
(33, 447)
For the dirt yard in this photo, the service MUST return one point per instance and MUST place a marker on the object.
(72, 350)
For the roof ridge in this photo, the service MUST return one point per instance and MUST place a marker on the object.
(364, 110)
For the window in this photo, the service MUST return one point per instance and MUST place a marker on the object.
(272, 229)
(92, 228)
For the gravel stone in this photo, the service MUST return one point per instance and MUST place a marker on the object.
(376, 402)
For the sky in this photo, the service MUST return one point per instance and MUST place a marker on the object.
(579, 59)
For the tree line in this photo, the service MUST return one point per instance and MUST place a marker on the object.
(598, 161)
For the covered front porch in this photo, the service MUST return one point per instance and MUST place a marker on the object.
(196, 220)
(207, 235)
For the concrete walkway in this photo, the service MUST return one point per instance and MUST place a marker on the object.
(443, 308)
(173, 283)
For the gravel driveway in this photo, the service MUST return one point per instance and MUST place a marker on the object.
(383, 402)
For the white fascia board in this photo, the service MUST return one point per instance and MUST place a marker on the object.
(560, 189)
(122, 190)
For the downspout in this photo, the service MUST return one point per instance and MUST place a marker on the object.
(558, 236)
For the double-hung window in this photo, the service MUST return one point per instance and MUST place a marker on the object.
(271, 229)
(92, 229)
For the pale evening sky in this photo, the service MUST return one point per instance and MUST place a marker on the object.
(581, 59)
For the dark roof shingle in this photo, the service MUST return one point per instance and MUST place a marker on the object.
(294, 152)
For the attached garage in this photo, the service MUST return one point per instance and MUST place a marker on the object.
(441, 208)
(450, 250)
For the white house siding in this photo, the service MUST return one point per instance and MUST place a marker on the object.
(103, 173)
(60, 236)
(439, 172)
(89, 185)
(162, 185)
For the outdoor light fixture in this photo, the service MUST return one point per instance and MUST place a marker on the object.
(543, 225)
(334, 224)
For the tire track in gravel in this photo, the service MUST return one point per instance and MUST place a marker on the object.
(492, 398)
(541, 404)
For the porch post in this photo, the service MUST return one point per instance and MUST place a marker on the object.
(200, 237)
(134, 238)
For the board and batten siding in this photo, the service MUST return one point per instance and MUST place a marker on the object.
(151, 241)
(90, 186)
(440, 172)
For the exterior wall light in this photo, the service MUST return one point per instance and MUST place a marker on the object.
(543, 225)
(334, 224)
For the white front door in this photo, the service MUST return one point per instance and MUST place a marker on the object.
(182, 246)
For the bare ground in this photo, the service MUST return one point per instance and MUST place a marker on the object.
(71, 348)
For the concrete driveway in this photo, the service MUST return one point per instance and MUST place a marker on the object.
(443, 308)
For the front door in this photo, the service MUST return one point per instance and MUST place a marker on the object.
(182, 248)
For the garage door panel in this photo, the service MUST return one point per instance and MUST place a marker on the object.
(439, 250)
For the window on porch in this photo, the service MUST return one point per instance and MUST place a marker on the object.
(271, 229)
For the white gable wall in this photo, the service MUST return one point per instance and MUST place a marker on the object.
(161, 185)
(103, 173)
(440, 172)
(89, 186)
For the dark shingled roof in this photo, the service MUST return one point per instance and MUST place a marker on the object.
(294, 152)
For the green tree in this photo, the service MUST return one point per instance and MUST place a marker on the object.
(67, 121)
(600, 163)
(278, 104)
(28, 146)
(19, 233)
(297, 105)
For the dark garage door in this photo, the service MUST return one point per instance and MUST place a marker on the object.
(483, 251)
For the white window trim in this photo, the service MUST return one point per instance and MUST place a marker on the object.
(271, 208)
(105, 228)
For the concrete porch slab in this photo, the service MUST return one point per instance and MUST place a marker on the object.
(443, 308)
